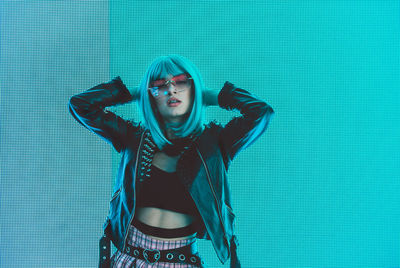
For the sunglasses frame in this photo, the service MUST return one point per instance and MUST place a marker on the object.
(155, 90)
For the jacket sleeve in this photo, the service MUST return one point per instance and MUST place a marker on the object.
(243, 130)
(88, 109)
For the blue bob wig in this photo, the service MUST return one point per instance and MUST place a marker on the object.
(160, 68)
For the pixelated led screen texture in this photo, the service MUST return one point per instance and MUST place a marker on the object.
(320, 188)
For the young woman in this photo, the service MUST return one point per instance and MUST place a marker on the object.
(171, 187)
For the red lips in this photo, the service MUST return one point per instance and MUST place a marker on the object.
(173, 102)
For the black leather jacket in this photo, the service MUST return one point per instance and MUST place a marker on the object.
(202, 168)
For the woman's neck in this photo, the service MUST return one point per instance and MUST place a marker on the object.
(169, 129)
(170, 134)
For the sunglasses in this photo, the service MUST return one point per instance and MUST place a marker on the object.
(160, 87)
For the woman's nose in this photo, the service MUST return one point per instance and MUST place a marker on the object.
(171, 87)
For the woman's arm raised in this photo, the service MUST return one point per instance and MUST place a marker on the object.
(88, 109)
(242, 131)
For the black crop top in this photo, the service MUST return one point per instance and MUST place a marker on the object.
(164, 190)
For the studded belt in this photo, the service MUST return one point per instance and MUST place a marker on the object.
(176, 255)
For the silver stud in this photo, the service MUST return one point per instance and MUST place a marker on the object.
(193, 259)
(182, 257)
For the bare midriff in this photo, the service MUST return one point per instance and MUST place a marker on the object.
(163, 218)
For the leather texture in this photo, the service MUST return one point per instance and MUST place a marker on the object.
(202, 168)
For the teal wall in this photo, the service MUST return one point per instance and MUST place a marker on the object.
(319, 189)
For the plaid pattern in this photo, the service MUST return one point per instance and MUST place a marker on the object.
(139, 239)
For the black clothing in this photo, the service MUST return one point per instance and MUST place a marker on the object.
(202, 168)
(164, 232)
(165, 190)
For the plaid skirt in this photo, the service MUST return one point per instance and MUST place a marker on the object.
(138, 239)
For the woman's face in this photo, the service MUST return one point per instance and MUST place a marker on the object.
(174, 97)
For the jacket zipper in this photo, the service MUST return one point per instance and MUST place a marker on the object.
(134, 183)
(215, 196)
